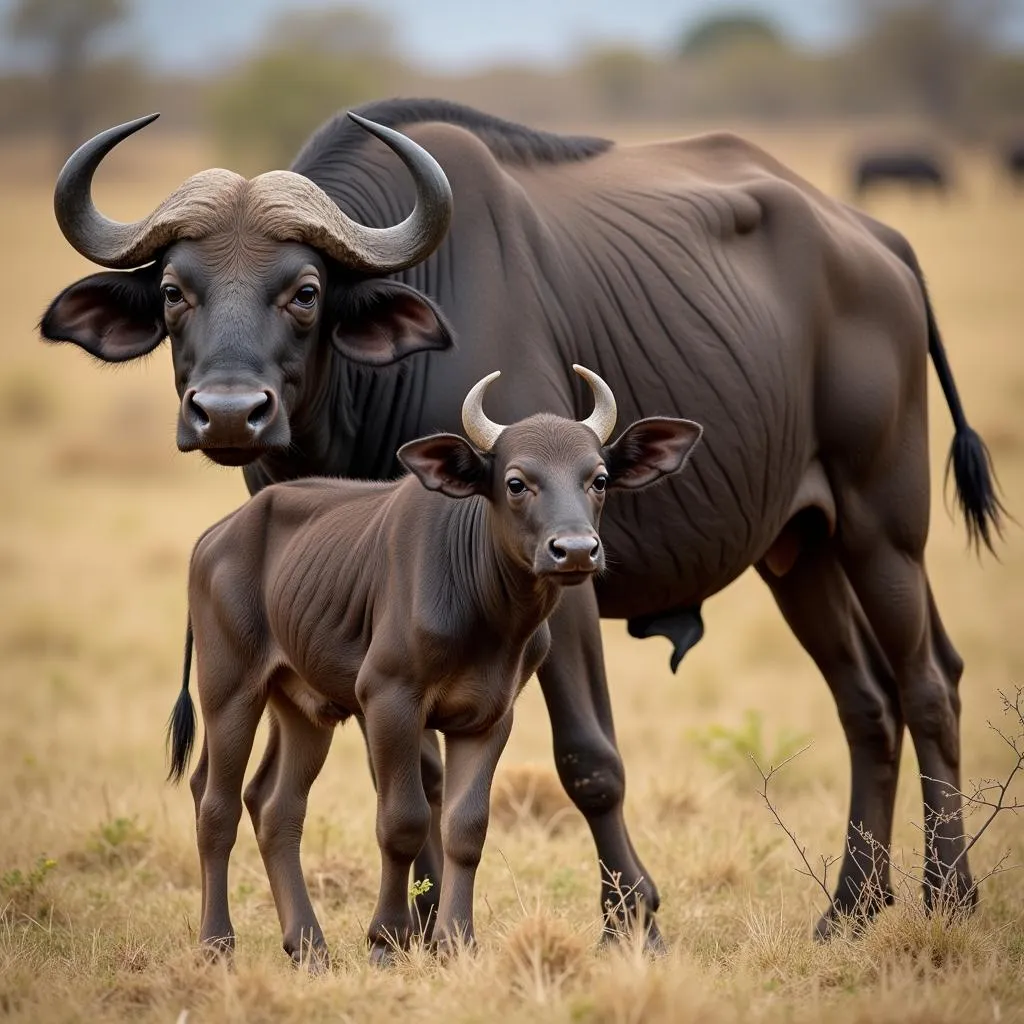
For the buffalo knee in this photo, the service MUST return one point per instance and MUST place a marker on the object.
(402, 831)
(592, 775)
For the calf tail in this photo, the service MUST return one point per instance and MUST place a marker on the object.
(181, 729)
(969, 458)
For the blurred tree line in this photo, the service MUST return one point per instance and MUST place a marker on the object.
(939, 61)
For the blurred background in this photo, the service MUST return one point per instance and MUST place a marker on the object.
(98, 509)
(255, 77)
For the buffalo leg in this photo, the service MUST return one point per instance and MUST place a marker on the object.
(276, 798)
(818, 604)
(589, 765)
(393, 733)
(230, 728)
(428, 863)
(470, 761)
(883, 555)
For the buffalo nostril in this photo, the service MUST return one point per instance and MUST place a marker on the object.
(263, 411)
(558, 553)
(196, 413)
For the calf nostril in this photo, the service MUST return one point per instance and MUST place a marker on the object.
(558, 553)
(596, 549)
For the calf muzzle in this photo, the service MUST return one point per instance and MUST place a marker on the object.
(571, 554)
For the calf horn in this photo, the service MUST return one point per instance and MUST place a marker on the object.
(602, 420)
(193, 208)
(484, 432)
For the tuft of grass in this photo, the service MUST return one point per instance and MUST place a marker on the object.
(529, 793)
(729, 748)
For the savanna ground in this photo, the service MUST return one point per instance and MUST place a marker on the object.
(99, 885)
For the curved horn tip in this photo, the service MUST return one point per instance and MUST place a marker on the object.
(602, 420)
(481, 431)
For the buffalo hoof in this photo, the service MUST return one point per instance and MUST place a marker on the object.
(448, 947)
(954, 897)
(618, 933)
(853, 919)
(218, 950)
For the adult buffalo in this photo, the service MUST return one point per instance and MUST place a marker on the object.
(699, 277)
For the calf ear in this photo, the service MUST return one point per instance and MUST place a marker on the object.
(650, 449)
(113, 316)
(379, 322)
(446, 463)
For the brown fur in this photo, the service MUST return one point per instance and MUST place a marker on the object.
(323, 599)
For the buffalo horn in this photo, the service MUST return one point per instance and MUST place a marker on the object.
(300, 210)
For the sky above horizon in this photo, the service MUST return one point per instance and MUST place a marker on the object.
(455, 36)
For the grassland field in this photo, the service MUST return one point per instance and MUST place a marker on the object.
(99, 883)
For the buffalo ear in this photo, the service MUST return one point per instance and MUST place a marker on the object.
(446, 463)
(379, 322)
(650, 449)
(113, 316)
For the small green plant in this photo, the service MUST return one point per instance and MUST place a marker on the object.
(420, 887)
(730, 748)
(118, 840)
(20, 889)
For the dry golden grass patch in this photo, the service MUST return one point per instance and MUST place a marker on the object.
(99, 887)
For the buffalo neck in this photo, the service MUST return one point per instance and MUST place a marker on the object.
(500, 593)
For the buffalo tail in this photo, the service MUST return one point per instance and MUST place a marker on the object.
(181, 729)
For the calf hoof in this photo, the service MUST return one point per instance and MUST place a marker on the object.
(383, 954)
(449, 946)
(313, 958)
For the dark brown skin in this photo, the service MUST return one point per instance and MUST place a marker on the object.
(698, 276)
(391, 601)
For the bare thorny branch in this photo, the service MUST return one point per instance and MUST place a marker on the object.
(985, 794)
(826, 862)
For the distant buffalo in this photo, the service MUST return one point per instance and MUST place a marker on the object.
(1013, 159)
(914, 167)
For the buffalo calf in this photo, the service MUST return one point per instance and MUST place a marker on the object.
(323, 598)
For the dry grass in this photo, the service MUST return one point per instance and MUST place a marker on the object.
(97, 862)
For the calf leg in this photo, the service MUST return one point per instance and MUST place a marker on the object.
(428, 863)
(393, 732)
(588, 762)
(469, 772)
(276, 798)
(230, 728)
(818, 604)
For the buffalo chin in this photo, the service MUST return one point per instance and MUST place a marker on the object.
(570, 579)
(233, 457)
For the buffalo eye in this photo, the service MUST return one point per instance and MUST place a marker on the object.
(515, 485)
(306, 296)
(600, 483)
(172, 294)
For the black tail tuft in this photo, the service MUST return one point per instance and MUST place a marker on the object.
(181, 730)
(976, 488)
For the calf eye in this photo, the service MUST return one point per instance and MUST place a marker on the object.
(600, 483)
(172, 294)
(515, 485)
(306, 296)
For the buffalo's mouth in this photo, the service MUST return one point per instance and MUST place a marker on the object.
(569, 577)
(226, 456)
